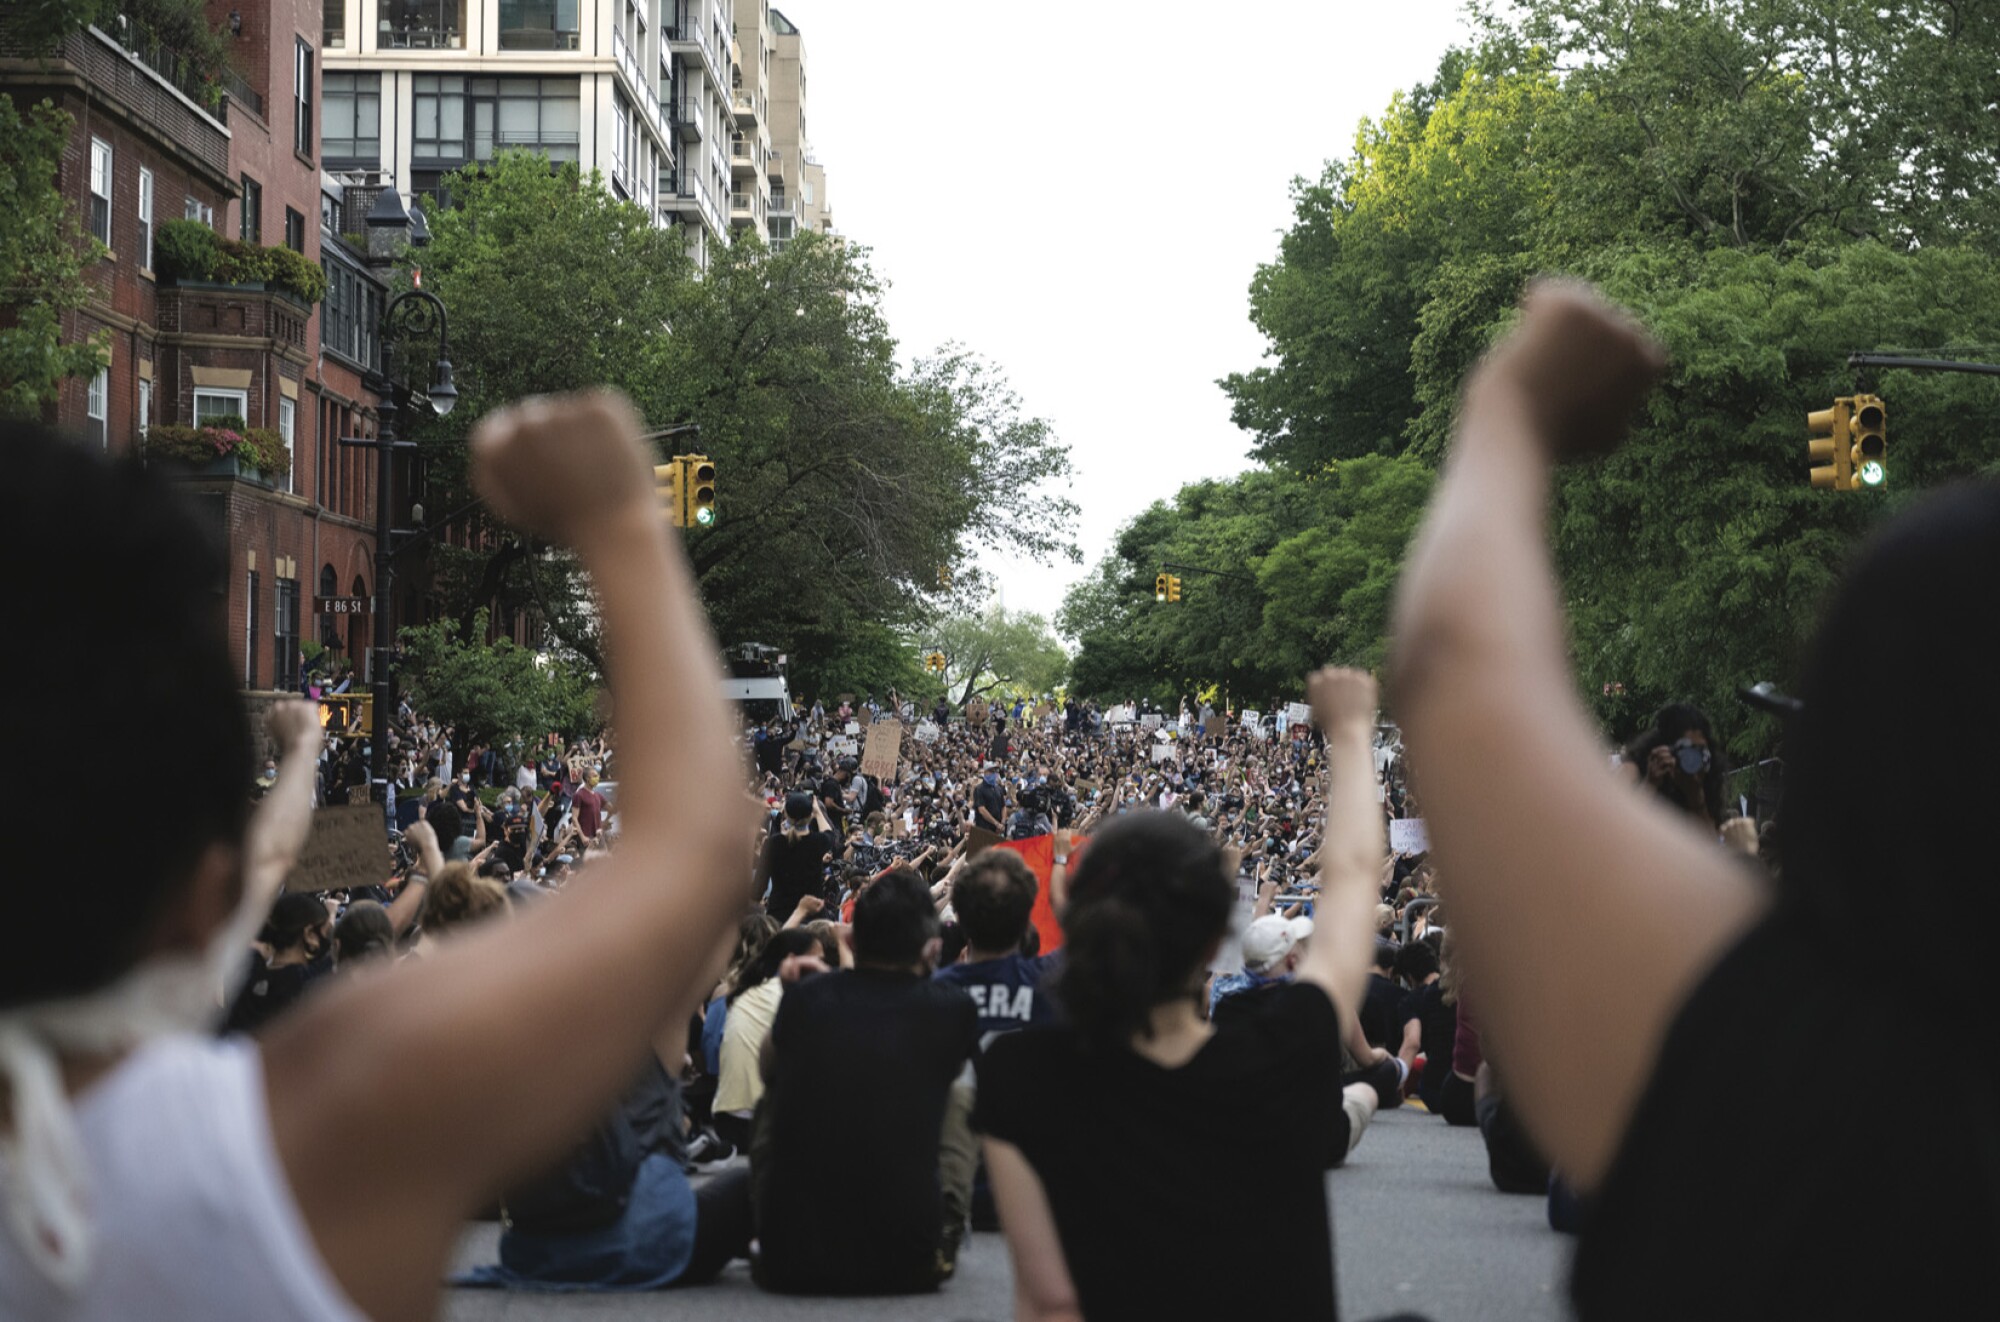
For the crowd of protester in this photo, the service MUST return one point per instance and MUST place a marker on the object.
(812, 1025)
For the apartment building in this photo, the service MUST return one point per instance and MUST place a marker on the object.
(634, 89)
(797, 201)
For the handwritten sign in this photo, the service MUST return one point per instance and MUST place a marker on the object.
(978, 838)
(1150, 721)
(841, 747)
(926, 732)
(885, 745)
(1407, 835)
(1161, 752)
(853, 727)
(1119, 716)
(1297, 713)
(1251, 718)
(348, 847)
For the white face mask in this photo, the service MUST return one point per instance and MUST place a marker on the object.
(48, 1191)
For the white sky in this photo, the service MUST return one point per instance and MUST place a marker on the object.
(1081, 191)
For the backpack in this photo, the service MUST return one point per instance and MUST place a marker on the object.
(875, 801)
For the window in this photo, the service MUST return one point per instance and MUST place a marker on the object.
(96, 407)
(215, 407)
(351, 133)
(621, 141)
(145, 407)
(422, 24)
(285, 615)
(333, 24)
(145, 220)
(302, 98)
(250, 633)
(199, 210)
(295, 231)
(251, 226)
(539, 114)
(350, 314)
(439, 108)
(538, 24)
(100, 190)
(288, 415)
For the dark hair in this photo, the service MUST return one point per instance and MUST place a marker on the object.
(1674, 721)
(1385, 953)
(446, 820)
(1149, 901)
(142, 560)
(764, 967)
(363, 931)
(1416, 961)
(994, 899)
(894, 920)
(294, 914)
(1887, 787)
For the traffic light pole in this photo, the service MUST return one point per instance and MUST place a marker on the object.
(1909, 364)
(1215, 573)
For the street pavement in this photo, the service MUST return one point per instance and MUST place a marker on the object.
(1418, 1228)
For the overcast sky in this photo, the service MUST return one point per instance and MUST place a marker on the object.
(1081, 192)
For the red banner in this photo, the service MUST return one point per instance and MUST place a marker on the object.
(1039, 854)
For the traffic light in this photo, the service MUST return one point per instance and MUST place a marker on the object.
(667, 481)
(697, 490)
(1160, 582)
(935, 661)
(1173, 587)
(1829, 448)
(1866, 427)
(944, 576)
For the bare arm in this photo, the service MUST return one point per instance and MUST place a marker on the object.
(1059, 872)
(1043, 1290)
(408, 905)
(283, 819)
(1561, 856)
(533, 1026)
(1353, 843)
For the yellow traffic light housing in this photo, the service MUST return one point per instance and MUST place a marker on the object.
(697, 490)
(1173, 587)
(1160, 582)
(1867, 429)
(667, 482)
(1829, 447)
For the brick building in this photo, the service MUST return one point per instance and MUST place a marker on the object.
(152, 141)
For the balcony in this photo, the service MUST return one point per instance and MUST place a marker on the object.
(692, 39)
(641, 88)
(783, 206)
(742, 157)
(745, 107)
(685, 196)
(144, 82)
(687, 120)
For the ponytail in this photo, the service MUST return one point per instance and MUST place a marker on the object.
(1149, 901)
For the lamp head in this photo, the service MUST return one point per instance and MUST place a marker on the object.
(443, 395)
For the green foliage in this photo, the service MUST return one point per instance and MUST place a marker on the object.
(1304, 573)
(1000, 651)
(495, 691)
(260, 447)
(190, 250)
(1771, 183)
(843, 482)
(43, 254)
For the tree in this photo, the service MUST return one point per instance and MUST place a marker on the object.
(1001, 650)
(43, 254)
(494, 691)
(844, 484)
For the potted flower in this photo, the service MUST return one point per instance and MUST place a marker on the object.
(224, 449)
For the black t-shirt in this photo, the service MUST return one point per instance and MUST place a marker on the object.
(268, 992)
(1767, 1173)
(1158, 1219)
(847, 1197)
(798, 867)
(1382, 1016)
(994, 800)
(1439, 1029)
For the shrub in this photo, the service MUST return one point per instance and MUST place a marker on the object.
(259, 447)
(296, 275)
(186, 250)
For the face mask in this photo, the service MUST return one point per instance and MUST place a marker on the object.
(1692, 759)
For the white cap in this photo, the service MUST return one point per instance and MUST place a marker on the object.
(1267, 941)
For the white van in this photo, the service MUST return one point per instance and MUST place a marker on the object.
(761, 699)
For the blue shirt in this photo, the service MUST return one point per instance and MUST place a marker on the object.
(1229, 984)
(1008, 992)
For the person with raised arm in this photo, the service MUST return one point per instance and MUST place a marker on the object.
(325, 1171)
(1651, 992)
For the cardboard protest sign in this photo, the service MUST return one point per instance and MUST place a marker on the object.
(1407, 835)
(348, 847)
(1119, 716)
(1150, 721)
(1297, 713)
(978, 838)
(1252, 718)
(1161, 752)
(852, 727)
(885, 745)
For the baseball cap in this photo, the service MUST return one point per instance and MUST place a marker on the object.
(1271, 938)
(798, 805)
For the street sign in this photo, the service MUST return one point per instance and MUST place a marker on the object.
(343, 605)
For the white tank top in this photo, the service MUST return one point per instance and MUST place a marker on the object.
(194, 1218)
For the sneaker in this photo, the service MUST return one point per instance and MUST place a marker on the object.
(709, 1146)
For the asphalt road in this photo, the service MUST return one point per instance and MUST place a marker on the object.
(1418, 1228)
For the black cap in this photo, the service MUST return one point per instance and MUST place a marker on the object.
(798, 805)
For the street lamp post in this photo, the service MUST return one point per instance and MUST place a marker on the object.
(416, 313)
